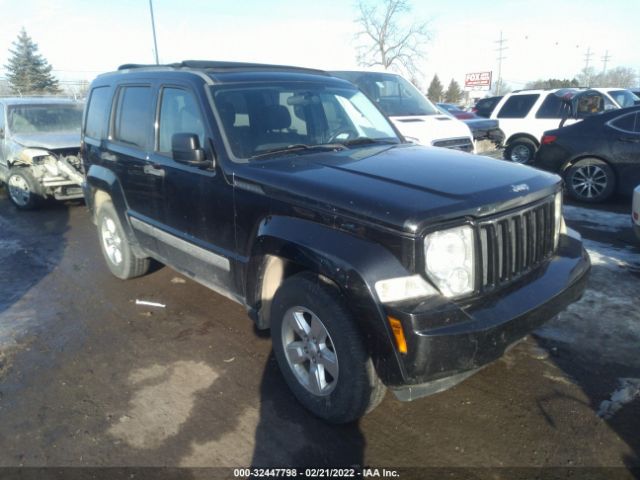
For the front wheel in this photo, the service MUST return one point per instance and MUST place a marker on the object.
(590, 180)
(23, 189)
(115, 247)
(320, 351)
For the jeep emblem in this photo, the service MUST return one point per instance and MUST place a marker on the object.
(521, 187)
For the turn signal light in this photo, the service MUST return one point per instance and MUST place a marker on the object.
(398, 333)
(547, 139)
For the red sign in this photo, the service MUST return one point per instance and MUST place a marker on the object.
(475, 80)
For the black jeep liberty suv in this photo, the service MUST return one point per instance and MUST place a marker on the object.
(375, 263)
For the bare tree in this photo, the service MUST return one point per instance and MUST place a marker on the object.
(390, 40)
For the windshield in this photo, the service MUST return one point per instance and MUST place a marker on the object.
(395, 96)
(270, 118)
(624, 98)
(45, 119)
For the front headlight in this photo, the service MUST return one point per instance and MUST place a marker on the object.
(449, 258)
(558, 220)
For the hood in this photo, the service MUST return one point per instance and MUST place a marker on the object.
(404, 187)
(429, 128)
(48, 141)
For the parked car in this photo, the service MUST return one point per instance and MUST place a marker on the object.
(623, 97)
(374, 262)
(410, 111)
(481, 128)
(597, 157)
(635, 211)
(456, 111)
(525, 115)
(485, 106)
(39, 143)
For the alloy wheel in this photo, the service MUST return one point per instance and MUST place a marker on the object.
(111, 241)
(310, 351)
(589, 181)
(19, 190)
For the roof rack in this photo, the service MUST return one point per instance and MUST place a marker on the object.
(222, 66)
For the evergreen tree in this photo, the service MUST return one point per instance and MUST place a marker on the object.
(28, 72)
(453, 93)
(435, 90)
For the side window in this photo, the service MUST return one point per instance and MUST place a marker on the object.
(98, 111)
(179, 113)
(627, 123)
(517, 106)
(551, 107)
(133, 116)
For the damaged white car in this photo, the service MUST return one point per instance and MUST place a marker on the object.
(39, 146)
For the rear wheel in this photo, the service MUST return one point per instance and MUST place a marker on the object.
(590, 180)
(23, 189)
(115, 247)
(520, 150)
(320, 351)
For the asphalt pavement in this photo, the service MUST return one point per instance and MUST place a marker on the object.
(88, 378)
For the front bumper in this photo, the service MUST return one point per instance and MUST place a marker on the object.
(447, 342)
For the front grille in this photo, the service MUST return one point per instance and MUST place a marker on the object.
(462, 143)
(511, 245)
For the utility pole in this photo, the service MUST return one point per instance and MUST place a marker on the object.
(501, 48)
(153, 28)
(605, 60)
(587, 58)
(586, 70)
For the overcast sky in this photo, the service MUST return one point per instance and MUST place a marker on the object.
(544, 38)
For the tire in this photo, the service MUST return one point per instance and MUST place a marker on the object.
(521, 150)
(348, 386)
(23, 189)
(115, 247)
(590, 180)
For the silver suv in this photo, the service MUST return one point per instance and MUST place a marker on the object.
(39, 147)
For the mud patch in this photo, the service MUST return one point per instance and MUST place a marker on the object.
(162, 403)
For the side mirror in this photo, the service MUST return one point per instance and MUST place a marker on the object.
(186, 149)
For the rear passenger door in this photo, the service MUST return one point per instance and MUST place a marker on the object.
(198, 234)
(130, 145)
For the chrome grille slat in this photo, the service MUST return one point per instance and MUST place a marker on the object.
(513, 244)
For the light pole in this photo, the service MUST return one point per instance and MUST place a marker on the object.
(153, 28)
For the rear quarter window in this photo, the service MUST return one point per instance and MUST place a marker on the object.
(627, 123)
(518, 106)
(98, 111)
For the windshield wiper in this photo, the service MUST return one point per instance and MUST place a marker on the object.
(367, 141)
(297, 148)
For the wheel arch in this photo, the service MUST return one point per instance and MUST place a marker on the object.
(520, 135)
(285, 246)
(102, 185)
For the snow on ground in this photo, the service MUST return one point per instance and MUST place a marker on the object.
(597, 219)
(628, 390)
(605, 322)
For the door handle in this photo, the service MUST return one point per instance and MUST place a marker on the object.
(151, 170)
(629, 139)
(110, 157)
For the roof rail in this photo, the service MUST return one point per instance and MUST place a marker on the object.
(220, 66)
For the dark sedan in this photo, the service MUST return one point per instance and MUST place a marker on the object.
(597, 157)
